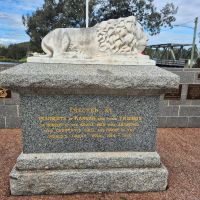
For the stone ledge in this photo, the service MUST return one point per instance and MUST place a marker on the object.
(119, 60)
(88, 180)
(97, 79)
(97, 160)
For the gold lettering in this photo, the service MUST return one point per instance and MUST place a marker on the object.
(101, 124)
(86, 124)
(83, 110)
(96, 135)
(110, 135)
(101, 119)
(89, 124)
(108, 110)
(111, 118)
(53, 118)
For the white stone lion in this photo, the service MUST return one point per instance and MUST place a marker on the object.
(109, 38)
(116, 42)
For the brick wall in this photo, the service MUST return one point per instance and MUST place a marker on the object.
(173, 113)
(183, 112)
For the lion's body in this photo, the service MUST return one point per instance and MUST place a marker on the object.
(117, 36)
(62, 40)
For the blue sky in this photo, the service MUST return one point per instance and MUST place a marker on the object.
(13, 31)
(187, 12)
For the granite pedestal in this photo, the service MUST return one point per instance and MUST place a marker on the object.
(88, 128)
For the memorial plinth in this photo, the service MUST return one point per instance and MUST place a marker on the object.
(88, 128)
(89, 124)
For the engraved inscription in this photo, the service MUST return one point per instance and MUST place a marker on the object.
(84, 123)
(193, 91)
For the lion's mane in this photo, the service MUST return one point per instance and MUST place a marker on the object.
(121, 35)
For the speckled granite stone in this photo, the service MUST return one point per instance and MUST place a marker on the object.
(88, 79)
(96, 160)
(127, 138)
(88, 180)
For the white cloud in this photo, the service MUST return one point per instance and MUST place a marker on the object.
(11, 20)
(13, 38)
(29, 5)
(12, 29)
(6, 41)
(187, 11)
(21, 5)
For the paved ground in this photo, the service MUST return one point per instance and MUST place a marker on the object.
(179, 150)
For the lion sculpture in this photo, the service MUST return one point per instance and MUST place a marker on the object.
(112, 39)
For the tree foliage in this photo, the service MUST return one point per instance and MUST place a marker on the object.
(146, 13)
(14, 51)
(197, 64)
(71, 13)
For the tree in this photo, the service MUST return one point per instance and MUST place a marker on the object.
(197, 64)
(40, 23)
(15, 51)
(71, 13)
(145, 11)
(3, 51)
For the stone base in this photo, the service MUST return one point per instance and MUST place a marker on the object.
(88, 172)
(138, 59)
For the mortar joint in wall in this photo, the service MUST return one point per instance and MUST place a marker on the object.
(5, 121)
(18, 110)
(179, 110)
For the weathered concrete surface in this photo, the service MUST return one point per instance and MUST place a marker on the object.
(96, 160)
(7, 66)
(88, 180)
(88, 172)
(88, 79)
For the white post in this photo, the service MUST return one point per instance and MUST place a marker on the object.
(194, 41)
(87, 13)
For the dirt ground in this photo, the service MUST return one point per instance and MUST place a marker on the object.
(179, 150)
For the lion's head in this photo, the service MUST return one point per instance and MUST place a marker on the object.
(123, 35)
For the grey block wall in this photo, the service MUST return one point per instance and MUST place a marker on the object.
(9, 112)
(9, 107)
(173, 113)
(181, 113)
